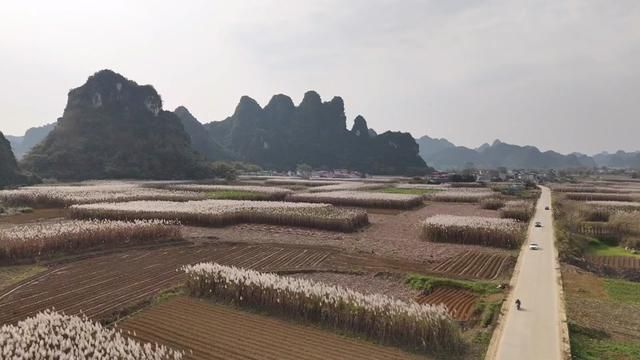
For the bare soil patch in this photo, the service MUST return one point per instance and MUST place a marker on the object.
(37, 215)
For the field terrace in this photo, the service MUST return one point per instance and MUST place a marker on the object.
(360, 198)
(391, 233)
(236, 192)
(66, 195)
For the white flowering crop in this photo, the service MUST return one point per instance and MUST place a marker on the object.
(50, 335)
(461, 195)
(42, 240)
(347, 186)
(621, 205)
(226, 212)
(508, 233)
(59, 196)
(521, 210)
(360, 198)
(375, 316)
(246, 192)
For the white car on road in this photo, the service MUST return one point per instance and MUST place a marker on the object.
(534, 246)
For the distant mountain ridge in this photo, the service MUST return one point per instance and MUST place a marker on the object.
(21, 145)
(282, 135)
(444, 155)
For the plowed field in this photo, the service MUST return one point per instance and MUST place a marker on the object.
(210, 331)
(459, 302)
(616, 262)
(477, 264)
(100, 287)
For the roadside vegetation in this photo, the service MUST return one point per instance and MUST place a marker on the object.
(597, 234)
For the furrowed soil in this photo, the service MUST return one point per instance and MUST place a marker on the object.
(101, 287)
(10, 275)
(211, 331)
(460, 303)
(391, 234)
(616, 262)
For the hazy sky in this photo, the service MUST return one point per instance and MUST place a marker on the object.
(557, 74)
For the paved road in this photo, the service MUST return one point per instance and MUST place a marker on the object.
(535, 332)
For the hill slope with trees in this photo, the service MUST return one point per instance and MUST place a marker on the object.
(114, 128)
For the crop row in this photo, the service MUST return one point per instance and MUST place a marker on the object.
(62, 196)
(600, 197)
(471, 195)
(43, 240)
(473, 230)
(476, 264)
(616, 262)
(347, 186)
(521, 210)
(377, 317)
(360, 198)
(228, 212)
(244, 191)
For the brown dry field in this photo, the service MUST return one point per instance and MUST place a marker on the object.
(393, 234)
(37, 215)
(210, 331)
(589, 306)
(460, 303)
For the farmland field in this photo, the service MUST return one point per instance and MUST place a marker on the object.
(602, 312)
(390, 234)
(478, 265)
(460, 303)
(104, 286)
(616, 262)
(601, 326)
(210, 331)
(110, 284)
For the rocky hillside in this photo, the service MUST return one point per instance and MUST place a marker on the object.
(9, 172)
(201, 140)
(282, 135)
(114, 128)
